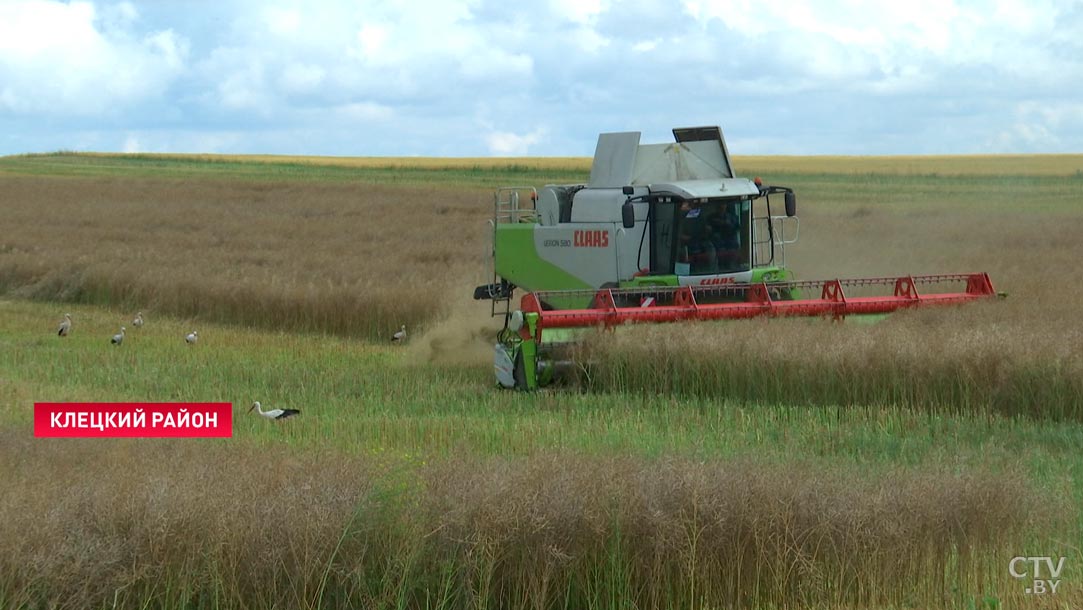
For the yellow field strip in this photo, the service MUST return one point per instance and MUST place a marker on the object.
(945, 165)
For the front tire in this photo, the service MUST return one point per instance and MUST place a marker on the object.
(519, 372)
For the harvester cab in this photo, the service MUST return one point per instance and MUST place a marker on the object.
(660, 232)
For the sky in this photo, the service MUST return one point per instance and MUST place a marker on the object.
(540, 78)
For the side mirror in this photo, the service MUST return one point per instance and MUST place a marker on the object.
(791, 204)
(628, 215)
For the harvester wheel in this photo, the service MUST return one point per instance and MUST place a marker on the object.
(519, 372)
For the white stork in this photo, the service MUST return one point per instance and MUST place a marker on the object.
(191, 337)
(65, 326)
(118, 338)
(399, 337)
(138, 321)
(274, 413)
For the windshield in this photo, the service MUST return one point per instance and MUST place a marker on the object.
(713, 237)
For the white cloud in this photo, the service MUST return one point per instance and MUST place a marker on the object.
(71, 59)
(1037, 126)
(578, 11)
(508, 144)
(645, 45)
(1022, 136)
(584, 14)
(171, 48)
(418, 77)
(118, 16)
(282, 21)
(844, 39)
(372, 40)
(589, 40)
(300, 77)
(364, 112)
(497, 64)
(243, 83)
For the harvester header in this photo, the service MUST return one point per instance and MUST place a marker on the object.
(663, 233)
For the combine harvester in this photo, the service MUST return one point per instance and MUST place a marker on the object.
(662, 233)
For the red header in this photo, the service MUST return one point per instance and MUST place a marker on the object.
(133, 419)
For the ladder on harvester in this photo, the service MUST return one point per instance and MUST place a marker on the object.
(506, 209)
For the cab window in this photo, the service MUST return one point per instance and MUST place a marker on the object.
(713, 237)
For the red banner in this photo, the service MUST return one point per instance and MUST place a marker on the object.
(133, 419)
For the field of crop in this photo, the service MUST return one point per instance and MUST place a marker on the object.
(753, 465)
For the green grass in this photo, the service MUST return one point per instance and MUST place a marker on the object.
(364, 397)
(382, 405)
(484, 173)
(424, 484)
(923, 193)
(1023, 189)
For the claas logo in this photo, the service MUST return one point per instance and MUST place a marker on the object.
(591, 239)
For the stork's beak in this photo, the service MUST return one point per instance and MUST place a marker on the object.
(250, 408)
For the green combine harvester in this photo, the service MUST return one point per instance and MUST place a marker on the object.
(662, 233)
